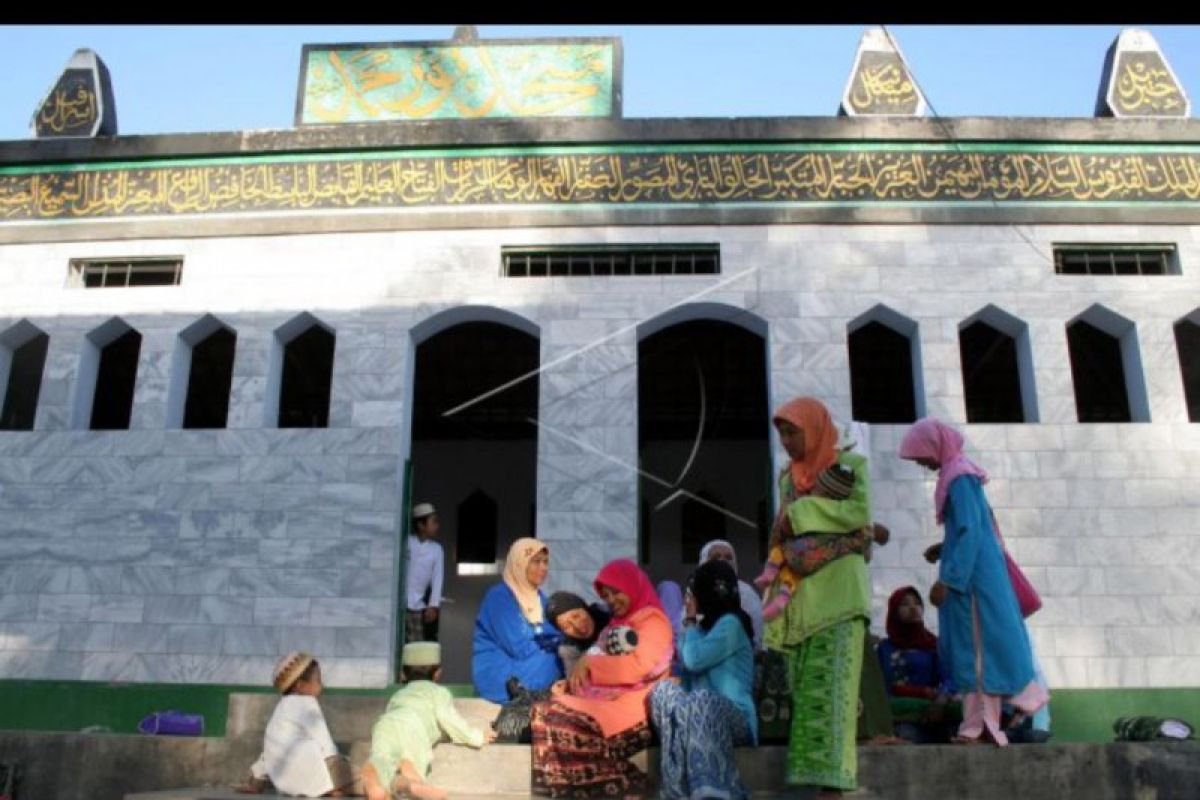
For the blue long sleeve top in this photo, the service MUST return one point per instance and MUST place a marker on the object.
(507, 645)
(722, 660)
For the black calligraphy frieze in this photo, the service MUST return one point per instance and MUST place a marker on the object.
(80, 104)
(742, 176)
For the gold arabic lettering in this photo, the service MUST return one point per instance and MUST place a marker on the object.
(886, 84)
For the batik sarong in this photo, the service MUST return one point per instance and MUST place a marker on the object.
(698, 731)
(826, 668)
(572, 757)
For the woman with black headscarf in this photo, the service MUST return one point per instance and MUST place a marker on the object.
(700, 722)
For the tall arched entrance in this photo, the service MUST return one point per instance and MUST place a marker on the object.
(703, 428)
(474, 456)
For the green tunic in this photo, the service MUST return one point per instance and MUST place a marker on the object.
(415, 719)
(841, 590)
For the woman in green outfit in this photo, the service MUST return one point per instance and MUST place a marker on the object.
(823, 626)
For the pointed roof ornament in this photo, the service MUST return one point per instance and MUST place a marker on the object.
(880, 83)
(80, 103)
(1137, 81)
(466, 33)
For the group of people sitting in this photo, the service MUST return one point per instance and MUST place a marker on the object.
(679, 665)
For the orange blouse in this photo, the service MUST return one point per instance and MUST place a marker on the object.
(639, 670)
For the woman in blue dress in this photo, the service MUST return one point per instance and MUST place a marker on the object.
(513, 638)
(700, 722)
(982, 638)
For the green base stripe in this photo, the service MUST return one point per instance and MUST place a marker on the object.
(1087, 715)
(1079, 715)
(66, 706)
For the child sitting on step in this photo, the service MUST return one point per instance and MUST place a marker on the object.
(298, 755)
(795, 555)
(416, 718)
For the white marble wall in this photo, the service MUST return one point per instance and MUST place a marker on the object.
(168, 555)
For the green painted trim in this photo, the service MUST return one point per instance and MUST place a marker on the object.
(71, 706)
(1078, 715)
(603, 149)
(1087, 715)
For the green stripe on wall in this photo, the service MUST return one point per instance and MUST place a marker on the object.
(1079, 715)
(74, 705)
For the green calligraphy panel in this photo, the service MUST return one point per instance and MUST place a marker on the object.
(459, 80)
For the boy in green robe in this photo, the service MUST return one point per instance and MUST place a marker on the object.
(416, 719)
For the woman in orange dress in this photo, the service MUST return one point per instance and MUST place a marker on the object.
(584, 737)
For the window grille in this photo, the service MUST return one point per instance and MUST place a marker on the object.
(608, 260)
(1116, 260)
(109, 273)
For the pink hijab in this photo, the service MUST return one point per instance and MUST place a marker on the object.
(931, 438)
(626, 576)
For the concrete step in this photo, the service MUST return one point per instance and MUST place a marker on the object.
(70, 766)
(1116, 771)
(1159, 771)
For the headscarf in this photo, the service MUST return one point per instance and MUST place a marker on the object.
(519, 555)
(820, 439)
(671, 597)
(627, 577)
(715, 587)
(561, 603)
(931, 438)
(908, 635)
(704, 551)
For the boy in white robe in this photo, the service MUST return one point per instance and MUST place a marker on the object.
(299, 756)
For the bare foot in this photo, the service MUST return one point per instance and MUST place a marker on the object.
(423, 791)
(251, 786)
(967, 740)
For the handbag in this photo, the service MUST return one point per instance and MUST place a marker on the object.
(512, 724)
(172, 723)
(1027, 597)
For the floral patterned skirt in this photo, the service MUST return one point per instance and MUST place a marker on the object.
(572, 757)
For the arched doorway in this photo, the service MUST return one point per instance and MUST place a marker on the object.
(703, 428)
(476, 464)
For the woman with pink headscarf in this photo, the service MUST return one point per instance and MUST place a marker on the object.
(982, 637)
(584, 736)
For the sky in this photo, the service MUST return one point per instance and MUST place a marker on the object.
(182, 79)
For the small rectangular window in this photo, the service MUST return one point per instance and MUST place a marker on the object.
(109, 273)
(1112, 259)
(606, 260)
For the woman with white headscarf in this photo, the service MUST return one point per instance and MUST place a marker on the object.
(751, 602)
(513, 638)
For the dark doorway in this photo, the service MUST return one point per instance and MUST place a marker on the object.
(1187, 342)
(881, 375)
(24, 384)
(307, 378)
(1101, 393)
(112, 403)
(991, 376)
(703, 428)
(478, 466)
(209, 380)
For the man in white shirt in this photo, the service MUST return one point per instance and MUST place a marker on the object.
(424, 576)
